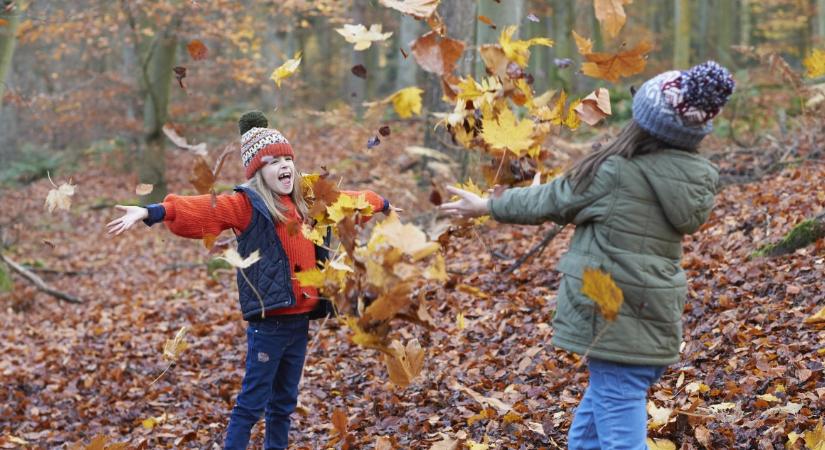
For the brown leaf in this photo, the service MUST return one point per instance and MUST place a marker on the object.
(359, 71)
(340, 420)
(197, 50)
(177, 139)
(406, 363)
(437, 54)
(703, 436)
(420, 9)
(180, 74)
(611, 67)
(488, 21)
(202, 177)
(594, 107)
(611, 15)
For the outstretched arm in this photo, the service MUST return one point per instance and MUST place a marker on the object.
(132, 215)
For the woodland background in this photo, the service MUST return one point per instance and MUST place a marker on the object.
(87, 87)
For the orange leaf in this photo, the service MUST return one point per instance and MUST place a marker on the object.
(594, 107)
(197, 50)
(437, 54)
(209, 241)
(487, 20)
(610, 14)
(202, 177)
(406, 362)
(340, 421)
(584, 45)
(611, 67)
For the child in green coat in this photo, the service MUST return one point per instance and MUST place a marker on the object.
(632, 201)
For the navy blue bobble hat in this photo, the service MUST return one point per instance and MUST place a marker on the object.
(677, 106)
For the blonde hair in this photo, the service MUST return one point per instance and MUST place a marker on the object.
(273, 202)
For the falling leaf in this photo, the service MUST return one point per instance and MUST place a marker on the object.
(361, 37)
(60, 197)
(611, 15)
(420, 9)
(202, 177)
(519, 51)
(584, 45)
(144, 189)
(373, 142)
(174, 347)
(407, 102)
(178, 140)
(197, 50)
(311, 278)
(287, 69)
(180, 74)
(209, 241)
(658, 416)
(488, 21)
(347, 205)
(234, 258)
(359, 71)
(388, 304)
(819, 317)
(406, 237)
(532, 18)
(437, 54)
(384, 131)
(599, 287)
(611, 67)
(3, 22)
(594, 107)
(508, 133)
(406, 362)
(815, 64)
(660, 444)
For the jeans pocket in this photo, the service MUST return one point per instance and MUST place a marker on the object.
(265, 327)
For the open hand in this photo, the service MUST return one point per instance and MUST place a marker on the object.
(469, 204)
(133, 215)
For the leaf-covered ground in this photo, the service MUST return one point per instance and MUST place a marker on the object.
(751, 371)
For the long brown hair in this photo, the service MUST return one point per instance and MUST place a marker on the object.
(273, 202)
(631, 141)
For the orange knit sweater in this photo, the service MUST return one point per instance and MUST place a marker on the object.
(194, 217)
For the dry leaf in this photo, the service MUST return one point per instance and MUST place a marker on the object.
(361, 37)
(144, 189)
(599, 287)
(173, 347)
(815, 64)
(202, 177)
(407, 102)
(611, 15)
(286, 70)
(658, 416)
(584, 45)
(420, 9)
(406, 363)
(437, 54)
(169, 131)
(234, 258)
(508, 133)
(819, 317)
(197, 50)
(660, 444)
(60, 197)
(611, 67)
(815, 439)
(519, 51)
(703, 436)
(594, 107)
(340, 421)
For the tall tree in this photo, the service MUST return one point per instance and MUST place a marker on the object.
(406, 69)
(9, 20)
(745, 21)
(681, 34)
(724, 25)
(502, 14)
(820, 20)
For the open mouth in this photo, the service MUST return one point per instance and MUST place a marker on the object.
(286, 176)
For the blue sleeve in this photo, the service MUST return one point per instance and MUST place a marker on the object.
(156, 214)
(386, 208)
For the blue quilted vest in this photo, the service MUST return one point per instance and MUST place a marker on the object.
(271, 275)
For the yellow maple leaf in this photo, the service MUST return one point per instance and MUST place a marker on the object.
(311, 278)
(389, 303)
(347, 205)
(611, 15)
(407, 102)
(612, 66)
(406, 237)
(572, 119)
(519, 51)
(508, 133)
(287, 69)
(815, 63)
(362, 338)
(815, 439)
(174, 347)
(315, 234)
(599, 287)
(406, 362)
(361, 37)
(584, 45)
(307, 181)
(438, 270)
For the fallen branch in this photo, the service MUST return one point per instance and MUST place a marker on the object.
(805, 233)
(535, 250)
(39, 283)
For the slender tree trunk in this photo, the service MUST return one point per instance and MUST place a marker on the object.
(9, 20)
(681, 35)
(745, 20)
(509, 12)
(158, 73)
(355, 88)
(563, 21)
(406, 73)
(820, 21)
(702, 47)
(724, 25)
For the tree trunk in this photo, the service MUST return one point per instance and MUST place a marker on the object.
(681, 35)
(745, 21)
(158, 77)
(702, 47)
(820, 20)
(502, 14)
(355, 88)
(406, 73)
(802, 235)
(8, 30)
(562, 25)
(725, 29)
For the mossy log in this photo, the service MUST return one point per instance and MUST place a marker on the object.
(803, 234)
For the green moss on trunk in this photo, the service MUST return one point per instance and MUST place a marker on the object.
(805, 233)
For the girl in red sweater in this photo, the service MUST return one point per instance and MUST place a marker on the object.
(276, 306)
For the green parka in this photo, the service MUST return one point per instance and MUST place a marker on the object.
(629, 222)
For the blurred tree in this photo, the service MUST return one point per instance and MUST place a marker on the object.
(9, 20)
(681, 35)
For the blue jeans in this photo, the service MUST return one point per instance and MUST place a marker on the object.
(612, 414)
(274, 363)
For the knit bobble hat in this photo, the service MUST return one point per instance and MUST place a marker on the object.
(258, 142)
(678, 106)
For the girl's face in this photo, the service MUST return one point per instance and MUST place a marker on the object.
(279, 174)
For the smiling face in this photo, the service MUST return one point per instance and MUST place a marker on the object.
(279, 174)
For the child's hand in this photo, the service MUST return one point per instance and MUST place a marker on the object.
(133, 215)
(469, 205)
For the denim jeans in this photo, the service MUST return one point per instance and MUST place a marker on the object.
(612, 414)
(274, 362)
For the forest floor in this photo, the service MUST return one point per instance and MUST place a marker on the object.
(750, 375)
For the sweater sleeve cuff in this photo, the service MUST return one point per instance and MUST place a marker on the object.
(156, 214)
(386, 208)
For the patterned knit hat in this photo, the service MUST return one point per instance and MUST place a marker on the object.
(678, 106)
(258, 141)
